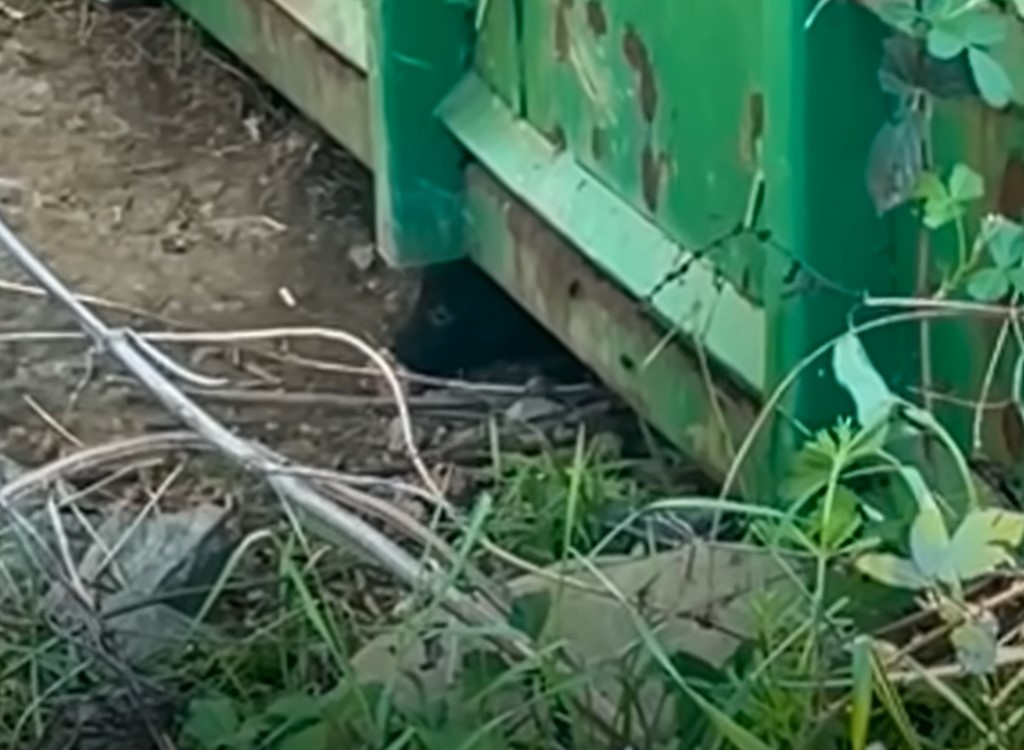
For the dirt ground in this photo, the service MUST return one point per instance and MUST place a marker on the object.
(163, 182)
(154, 172)
(150, 170)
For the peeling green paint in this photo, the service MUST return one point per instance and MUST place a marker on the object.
(712, 150)
(653, 98)
(608, 231)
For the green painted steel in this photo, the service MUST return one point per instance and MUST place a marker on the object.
(418, 50)
(710, 121)
(822, 109)
(607, 230)
(340, 24)
(279, 48)
(496, 53)
(675, 391)
(625, 167)
(613, 81)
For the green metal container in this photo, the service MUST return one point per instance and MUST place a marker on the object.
(631, 168)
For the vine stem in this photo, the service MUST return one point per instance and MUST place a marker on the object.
(988, 380)
(923, 262)
(914, 310)
(745, 448)
(815, 12)
(952, 307)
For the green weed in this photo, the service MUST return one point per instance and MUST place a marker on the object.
(548, 504)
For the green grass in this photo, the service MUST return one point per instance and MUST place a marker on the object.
(556, 501)
(857, 536)
(808, 676)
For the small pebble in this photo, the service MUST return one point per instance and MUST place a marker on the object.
(362, 256)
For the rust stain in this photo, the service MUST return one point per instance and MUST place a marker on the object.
(598, 145)
(562, 29)
(753, 128)
(1011, 188)
(651, 166)
(1013, 431)
(639, 59)
(596, 18)
(606, 327)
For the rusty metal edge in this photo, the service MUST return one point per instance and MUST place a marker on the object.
(693, 404)
(627, 246)
(340, 24)
(316, 79)
(690, 403)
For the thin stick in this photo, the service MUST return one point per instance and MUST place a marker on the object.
(171, 367)
(285, 333)
(949, 306)
(31, 290)
(64, 548)
(987, 382)
(278, 334)
(51, 421)
(125, 346)
(154, 500)
(251, 456)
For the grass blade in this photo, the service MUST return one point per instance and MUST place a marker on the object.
(893, 704)
(726, 726)
(860, 701)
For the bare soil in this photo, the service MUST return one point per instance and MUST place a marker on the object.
(151, 170)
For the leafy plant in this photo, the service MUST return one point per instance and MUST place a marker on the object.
(556, 501)
(940, 49)
(980, 544)
(947, 202)
(950, 29)
(289, 720)
(971, 28)
(1004, 241)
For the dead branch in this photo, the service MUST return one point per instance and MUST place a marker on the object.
(253, 336)
(89, 459)
(346, 527)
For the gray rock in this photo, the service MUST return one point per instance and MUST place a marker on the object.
(362, 256)
(532, 408)
(161, 554)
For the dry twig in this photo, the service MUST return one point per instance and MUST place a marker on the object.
(302, 496)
